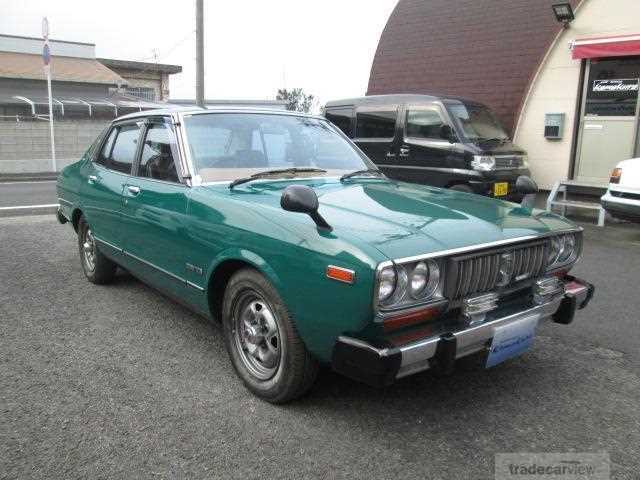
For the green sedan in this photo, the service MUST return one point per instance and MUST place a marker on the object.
(277, 226)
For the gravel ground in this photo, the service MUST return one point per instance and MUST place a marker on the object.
(120, 382)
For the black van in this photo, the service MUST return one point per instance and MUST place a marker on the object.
(440, 141)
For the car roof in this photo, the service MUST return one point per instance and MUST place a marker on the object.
(398, 98)
(222, 109)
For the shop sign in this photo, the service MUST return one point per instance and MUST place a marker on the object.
(615, 85)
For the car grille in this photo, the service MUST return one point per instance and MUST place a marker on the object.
(480, 273)
(508, 161)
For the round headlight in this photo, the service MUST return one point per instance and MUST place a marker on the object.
(555, 248)
(424, 279)
(418, 279)
(568, 248)
(386, 283)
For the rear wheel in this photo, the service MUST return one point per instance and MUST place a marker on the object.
(97, 268)
(263, 343)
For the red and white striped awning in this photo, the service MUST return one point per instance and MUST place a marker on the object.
(616, 46)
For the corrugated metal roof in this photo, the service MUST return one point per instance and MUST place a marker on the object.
(63, 69)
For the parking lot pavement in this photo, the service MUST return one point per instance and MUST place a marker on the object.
(27, 198)
(119, 381)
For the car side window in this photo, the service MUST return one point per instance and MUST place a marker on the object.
(124, 149)
(376, 124)
(159, 153)
(103, 157)
(424, 123)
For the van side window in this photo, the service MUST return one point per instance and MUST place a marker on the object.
(341, 118)
(158, 154)
(380, 124)
(424, 124)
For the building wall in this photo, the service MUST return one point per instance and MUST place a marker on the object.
(25, 146)
(556, 86)
(147, 79)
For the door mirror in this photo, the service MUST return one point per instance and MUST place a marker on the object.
(526, 186)
(303, 199)
(446, 132)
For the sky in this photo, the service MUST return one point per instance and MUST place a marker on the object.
(252, 47)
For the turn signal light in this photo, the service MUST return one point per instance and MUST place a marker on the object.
(341, 274)
(615, 175)
(406, 319)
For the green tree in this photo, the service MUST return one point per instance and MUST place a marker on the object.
(296, 99)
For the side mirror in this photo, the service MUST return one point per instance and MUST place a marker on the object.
(303, 199)
(446, 132)
(525, 185)
(528, 188)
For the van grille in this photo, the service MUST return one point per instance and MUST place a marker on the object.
(480, 273)
(508, 161)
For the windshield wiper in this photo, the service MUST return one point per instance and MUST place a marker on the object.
(358, 173)
(500, 140)
(271, 173)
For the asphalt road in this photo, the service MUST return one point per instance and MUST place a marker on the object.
(120, 382)
(15, 196)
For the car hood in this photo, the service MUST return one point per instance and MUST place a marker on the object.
(401, 219)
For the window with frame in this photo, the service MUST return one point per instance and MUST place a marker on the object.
(159, 153)
(119, 151)
(424, 123)
(341, 118)
(376, 124)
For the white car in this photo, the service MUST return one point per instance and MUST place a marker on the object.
(622, 199)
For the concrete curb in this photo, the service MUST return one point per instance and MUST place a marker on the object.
(27, 177)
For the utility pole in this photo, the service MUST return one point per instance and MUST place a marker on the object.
(199, 53)
(46, 58)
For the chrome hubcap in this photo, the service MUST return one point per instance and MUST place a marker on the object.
(89, 250)
(257, 336)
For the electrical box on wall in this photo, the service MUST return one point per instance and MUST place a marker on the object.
(553, 125)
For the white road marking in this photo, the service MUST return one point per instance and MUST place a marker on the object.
(27, 207)
(27, 182)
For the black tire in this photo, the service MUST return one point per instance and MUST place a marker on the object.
(461, 187)
(100, 269)
(250, 296)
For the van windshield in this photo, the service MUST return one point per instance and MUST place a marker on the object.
(228, 146)
(477, 122)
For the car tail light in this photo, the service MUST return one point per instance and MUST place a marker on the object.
(615, 175)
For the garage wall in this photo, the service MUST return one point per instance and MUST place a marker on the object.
(555, 88)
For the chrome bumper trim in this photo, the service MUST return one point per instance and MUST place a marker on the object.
(416, 356)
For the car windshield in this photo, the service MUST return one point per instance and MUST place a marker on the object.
(477, 122)
(228, 146)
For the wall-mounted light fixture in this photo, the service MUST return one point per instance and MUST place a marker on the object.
(564, 13)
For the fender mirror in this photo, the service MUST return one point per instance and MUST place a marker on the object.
(528, 188)
(303, 199)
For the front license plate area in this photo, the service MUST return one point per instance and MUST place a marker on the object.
(512, 340)
(500, 189)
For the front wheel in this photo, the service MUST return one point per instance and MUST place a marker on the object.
(263, 343)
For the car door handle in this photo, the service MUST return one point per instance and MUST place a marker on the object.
(390, 155)
(404, 152)
(133, 190)
(92, 179)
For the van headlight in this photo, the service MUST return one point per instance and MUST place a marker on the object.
(563, 250)
(404, 284)
(483, 163)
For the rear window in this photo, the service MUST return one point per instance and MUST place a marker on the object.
(376, 124)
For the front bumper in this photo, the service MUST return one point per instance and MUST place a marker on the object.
(381, 366)
(623, 208)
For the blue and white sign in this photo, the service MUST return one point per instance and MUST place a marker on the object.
(46, 54)
(512, 340)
